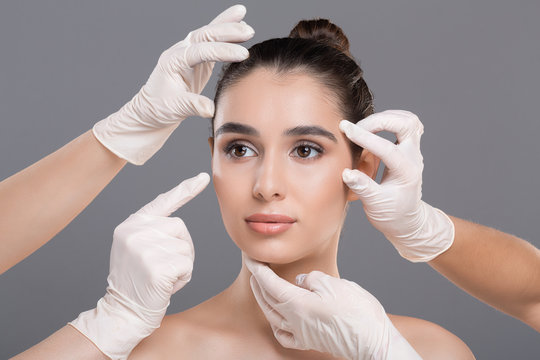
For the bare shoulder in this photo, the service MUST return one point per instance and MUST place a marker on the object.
(182, 334)
(173, 334)
(430, 340)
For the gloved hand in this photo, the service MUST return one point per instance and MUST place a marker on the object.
(326, 314)
(141, 127)
(151, 258)
(417, 230)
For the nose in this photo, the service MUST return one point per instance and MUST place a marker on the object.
(270, 179)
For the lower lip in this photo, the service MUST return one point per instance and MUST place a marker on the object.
(269, 228)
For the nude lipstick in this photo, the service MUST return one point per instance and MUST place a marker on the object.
(269, 224)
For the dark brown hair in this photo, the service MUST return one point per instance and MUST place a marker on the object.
(317, 48)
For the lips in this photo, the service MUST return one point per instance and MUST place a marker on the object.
(269, 224)
(270, 218)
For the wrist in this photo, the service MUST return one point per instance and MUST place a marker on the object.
(129, 137)
(434, 236)
(398, 347)
(116, 325)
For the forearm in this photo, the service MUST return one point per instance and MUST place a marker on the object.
(497, 268)
(66, 343)
(39, 201)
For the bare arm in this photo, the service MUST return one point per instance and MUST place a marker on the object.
(66, 343)
(39, 201)
(497, 268)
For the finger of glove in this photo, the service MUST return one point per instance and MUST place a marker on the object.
(178, 245)
(172, 226)
(157, 230)
(285, 338)
(272, 314)
(281, 290)
(310, 280)
(404, 124)
(226, 32)
(167, 203)
(191, 104)
(386, 151)
(360, 183)
(234, 13)
(155, 244)
(214, 51)
(326, 288)
(185, 269)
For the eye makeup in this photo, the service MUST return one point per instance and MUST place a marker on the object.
(231, 150)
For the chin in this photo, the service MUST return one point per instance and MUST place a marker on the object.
(272, 254)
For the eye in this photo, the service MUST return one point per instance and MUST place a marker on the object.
(308, 151)
(238, 150)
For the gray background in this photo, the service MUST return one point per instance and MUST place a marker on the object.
(470, 70)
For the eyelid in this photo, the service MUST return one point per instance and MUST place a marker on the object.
(230, 145)
(236, 142)
(311, 145)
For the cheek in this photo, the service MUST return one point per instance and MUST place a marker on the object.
(322, 196)
(323, 178)
(225, 183)
(231, 188)
(314, 193)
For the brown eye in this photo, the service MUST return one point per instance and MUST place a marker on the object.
(303, 151)
(239, 150)
(307, 151)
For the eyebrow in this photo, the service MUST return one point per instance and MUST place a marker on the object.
(233, 127)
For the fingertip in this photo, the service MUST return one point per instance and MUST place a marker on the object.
(240, 9)
(233, 13)
(209, 107)
(347, 175)
(345, 125)
(250, 263)
(206, 107)
(243, 54)
(204, 177)
(250, 31)
(300, 279)
(200, 182)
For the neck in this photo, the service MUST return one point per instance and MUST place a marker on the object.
(242, 301)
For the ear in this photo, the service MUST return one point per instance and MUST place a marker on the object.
(367, 163)
(211, 143)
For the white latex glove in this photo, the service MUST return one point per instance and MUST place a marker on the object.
(151, 258)
(417, 230)
(326, 314)
(171, 94)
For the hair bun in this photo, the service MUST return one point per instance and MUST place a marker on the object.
(323, 31)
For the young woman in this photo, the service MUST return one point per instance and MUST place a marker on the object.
(140, 128)
(277, 159)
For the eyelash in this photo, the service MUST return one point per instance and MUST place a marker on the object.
(233, 144)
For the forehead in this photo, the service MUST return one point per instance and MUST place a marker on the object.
(264, 98)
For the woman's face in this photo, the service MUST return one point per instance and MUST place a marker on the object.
(278, 155)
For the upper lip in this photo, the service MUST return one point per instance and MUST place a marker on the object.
(270, 218)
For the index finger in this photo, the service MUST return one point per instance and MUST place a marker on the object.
(279, 288)
(234, 13)
(167, 203)
(402, 123)
(379, 146)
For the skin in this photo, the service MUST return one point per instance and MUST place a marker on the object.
(62, 184)
(498, 268)
(65, 344)
(269, 173)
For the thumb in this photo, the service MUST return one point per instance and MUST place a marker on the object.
(307, 281)
(167, 203)
(191, 104)
(360, 183)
